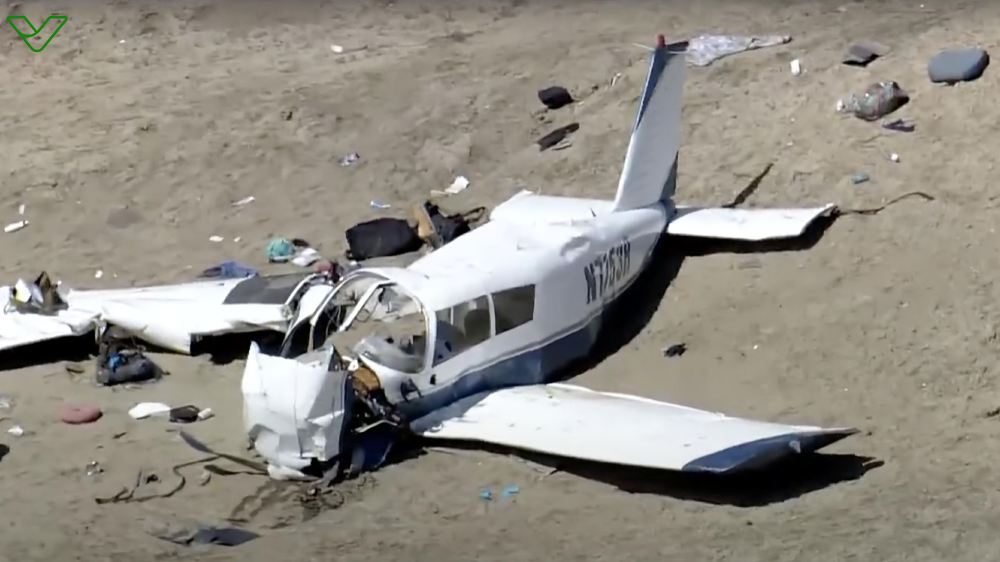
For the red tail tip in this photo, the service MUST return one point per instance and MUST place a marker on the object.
(660, 41)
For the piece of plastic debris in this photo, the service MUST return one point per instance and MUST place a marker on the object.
(206, 414)
(901, 125)
(15, 226)
(280, 250)
(6, 403)
(98, 274)
(16, 431)
(20, 209)
(244, 201)
(216, 238)
(144, 410)
(94, 468)
(306, 257)
(860, 178)
(877, 101)
(675, 350)
(337, 49)
(894, 157)
(376, 205)
(349, 159)
(486, 494)
(796, 67)
(706, 49)
(555, 137)
(457, 186)
(185, 414)
(510, 491)
(237, 239)
(229, 269)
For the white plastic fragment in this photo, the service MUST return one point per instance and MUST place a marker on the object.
(796, 67)
(15, 226)
(216, 238)
(457, 186)
(144, 410)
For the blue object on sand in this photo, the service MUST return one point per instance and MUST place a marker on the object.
(229, 270)
(958, 65)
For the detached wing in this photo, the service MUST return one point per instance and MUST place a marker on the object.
(574, 422)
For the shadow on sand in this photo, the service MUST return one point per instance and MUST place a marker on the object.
(797, 476)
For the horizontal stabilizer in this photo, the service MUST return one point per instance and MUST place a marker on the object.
(574, 422)
(752, 225)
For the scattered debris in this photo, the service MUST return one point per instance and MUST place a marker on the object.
(510, 491)
(337, 49)
(120, 360)
(287, 114)
(706, 49)
(901, 125)
(877, 101)
(860, 178)
(376, 205)
(245, 201)
(15, 226)
(20, 209)
(863, 53)
(555, 97)
(16, 431)
(796, 67)
(457, 186)
(189, 414)
(957, 65)
(349, 159)
(216, 238)
(306, 257)
(675, 350)
(144, 410)
(94, 468)
(280, 250)
(555, 137)
(229, 269)
(894, 157)
(79, 414)
(203, 534)
(486, 494)
(98, 274)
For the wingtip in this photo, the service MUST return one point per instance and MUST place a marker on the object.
(660, 41)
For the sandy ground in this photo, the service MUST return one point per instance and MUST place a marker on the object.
(129, 137)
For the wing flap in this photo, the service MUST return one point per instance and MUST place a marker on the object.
(752, 225)
(575, 422)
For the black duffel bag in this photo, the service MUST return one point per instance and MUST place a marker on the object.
(380, 238)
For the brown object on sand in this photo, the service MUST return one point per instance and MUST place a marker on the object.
(76, 415)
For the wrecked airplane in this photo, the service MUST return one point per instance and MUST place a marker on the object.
(464, 343)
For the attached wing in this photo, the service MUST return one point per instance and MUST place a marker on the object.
(574, 422)
(168, 316)
(753, 225)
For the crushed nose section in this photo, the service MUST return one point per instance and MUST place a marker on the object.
(310, 417)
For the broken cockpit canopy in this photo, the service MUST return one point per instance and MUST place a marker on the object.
(371, 316)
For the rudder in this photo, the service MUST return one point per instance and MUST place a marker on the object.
(649, 174)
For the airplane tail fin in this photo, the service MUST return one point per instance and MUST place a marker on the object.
(650, 171)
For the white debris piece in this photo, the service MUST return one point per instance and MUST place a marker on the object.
(706, 49)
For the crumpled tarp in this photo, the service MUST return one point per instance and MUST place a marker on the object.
(706, 49)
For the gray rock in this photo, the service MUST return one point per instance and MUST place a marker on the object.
(958, 65)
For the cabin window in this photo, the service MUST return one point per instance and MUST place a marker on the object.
(462, 327)
(514, 307)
